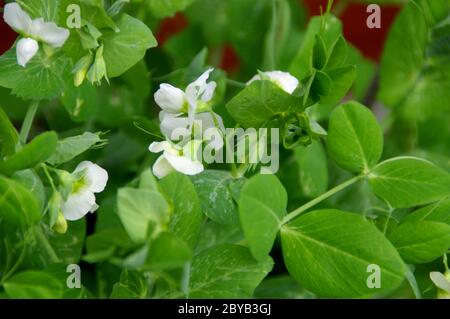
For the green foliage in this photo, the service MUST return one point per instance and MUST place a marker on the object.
(360, 205)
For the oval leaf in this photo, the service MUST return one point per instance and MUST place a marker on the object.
(329, 252)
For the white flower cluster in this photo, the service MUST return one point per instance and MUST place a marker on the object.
(180, 111)
(32, 32)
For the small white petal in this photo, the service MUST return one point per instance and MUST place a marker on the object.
(78, 205)
(284, 80)
(162, 167)
(170, 98)
(26, 49)
(49, 33)
(158, 147)
(440, 281)
(175, 128)
(184, 164)
(209, 120)
(199, 89)
(17, 19)
(95, 176)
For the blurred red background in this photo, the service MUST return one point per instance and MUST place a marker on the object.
(369, 41)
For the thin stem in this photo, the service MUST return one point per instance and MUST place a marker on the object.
(319, 199)
(13, 269)
(44, 241)
(413, 283)
(28, 121)
(237, 84)
(50, 179)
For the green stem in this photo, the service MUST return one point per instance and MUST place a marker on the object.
(28, 121)
(13, 269)
(237, 84)
(44, 241)
(50, 179)
(319, 199)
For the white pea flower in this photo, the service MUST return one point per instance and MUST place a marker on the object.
(89, 179)
(176, 158)
(442, 281)
(181, 108)
(32, 32)
(284, 80)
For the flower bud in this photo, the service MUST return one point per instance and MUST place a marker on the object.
(81, 68)
(97, 71)
(61, 224)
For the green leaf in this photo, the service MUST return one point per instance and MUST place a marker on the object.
(8, 136)
(69, 148)
(415, 69)
(259, 102)
(329, 28)
(213, 189)
(140, 210)
(41, 79)
(123, 49)
(187, 216)
(408, 181)
(338, 55)
(34, 285)
(18, 206)
(437, 212)
(32, 154)
(167, 252)
(47, 9)
(313, 169)
(328, 252)
(355, 140)
(262, 206)
(319, 53)
(226, 271)
(281, 287)
(132, 285)
(167, 8)
(421, 242)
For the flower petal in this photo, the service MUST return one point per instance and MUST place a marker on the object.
(284, 80)
(49, 33)
(170, 98)
(158, 147)
(17, 19)
(96, 177)
(440, 281)
(162, 167)
(184, 164)
(26, 49)
(78, 205)
(175, 128)
(200, 90)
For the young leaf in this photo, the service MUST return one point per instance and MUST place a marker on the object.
(8, 136)
(42, 79)
(167, 252)
(139, 209)
(215, 196)
(421, 242)
(187, 216)
(408, 181)
(32, 154)
(319, 53)
(226, 271)
(328, 252)
(69, 148)
(127, 47)
(34, 285)
(419, 85)
(313, 169)
(259, 102)
(262, 206)
(18, 206)
(437, 212)
(355, 140)
(132, 285)
(338, 55)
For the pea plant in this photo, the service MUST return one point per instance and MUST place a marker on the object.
(136, 169)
